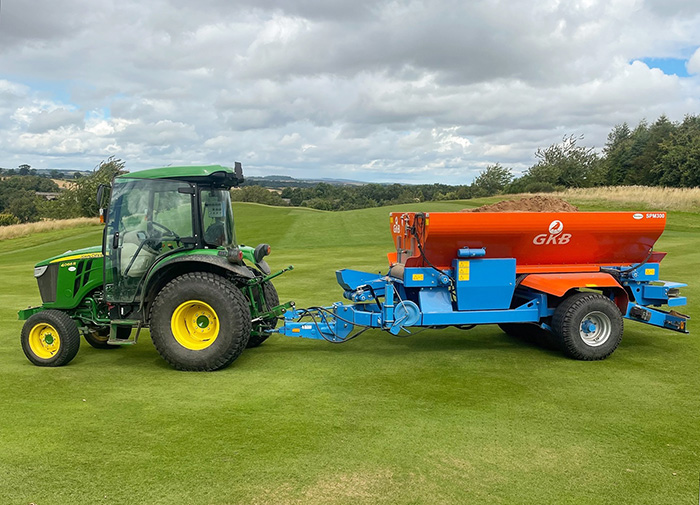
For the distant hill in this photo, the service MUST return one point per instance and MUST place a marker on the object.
(285, 181)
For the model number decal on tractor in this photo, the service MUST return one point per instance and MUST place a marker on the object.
(555, 235)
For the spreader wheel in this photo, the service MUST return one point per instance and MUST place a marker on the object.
(200, 322)
(272, 300)
(589, 326)
(50, 338)
(532, 333)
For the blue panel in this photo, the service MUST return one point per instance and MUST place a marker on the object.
(646, 272)
(527, 313)
(350, 280)
(677, 302)
(435, 301)
(484, 284)
(424, 277)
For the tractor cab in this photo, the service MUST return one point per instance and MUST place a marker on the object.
(160, 212)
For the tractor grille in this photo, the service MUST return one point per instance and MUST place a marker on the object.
(48, 284)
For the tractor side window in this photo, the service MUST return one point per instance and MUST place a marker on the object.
(174, 210)
(217, 218)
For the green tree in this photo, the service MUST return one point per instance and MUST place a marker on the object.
(567, 164)
(679, 164)
(79, 200)
(24, 206)
(492, 180)
(257, 194)
(645, 166)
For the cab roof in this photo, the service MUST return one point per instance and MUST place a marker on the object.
(217, 174)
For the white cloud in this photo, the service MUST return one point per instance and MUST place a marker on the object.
(389, 90)
(693, 64)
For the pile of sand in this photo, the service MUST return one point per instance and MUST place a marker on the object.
(531, 204)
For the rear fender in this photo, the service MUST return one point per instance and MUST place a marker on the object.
(164, 271)
(560, 284)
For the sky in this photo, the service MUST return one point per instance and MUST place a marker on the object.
(382, 91)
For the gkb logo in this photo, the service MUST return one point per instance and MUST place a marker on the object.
(555, 235)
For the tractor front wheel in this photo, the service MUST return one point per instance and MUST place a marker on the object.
(589, 326)
(200, 322)
(50, 338)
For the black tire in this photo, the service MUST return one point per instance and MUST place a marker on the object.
(50, 338)
(98, 337)
(272, 299)
(531, 333)
(517, 330)
(200, 295)
(589, 326)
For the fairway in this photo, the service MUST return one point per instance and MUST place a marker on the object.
(444, 416)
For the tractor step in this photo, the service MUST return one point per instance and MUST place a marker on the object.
(123, 324)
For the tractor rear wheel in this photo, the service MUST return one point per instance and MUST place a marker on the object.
(200, 322)
(50, 338)
(272, 300)
(589, 326)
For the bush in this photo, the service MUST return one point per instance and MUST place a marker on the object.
(79, 200)
(540, 187)
(257, 194)
(7, 219)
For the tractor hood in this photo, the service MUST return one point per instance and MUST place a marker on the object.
(85, 253)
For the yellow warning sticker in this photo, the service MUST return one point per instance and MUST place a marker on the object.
(649, 271)
(463, 272)
(417, 277)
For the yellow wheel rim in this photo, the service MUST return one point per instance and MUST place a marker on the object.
(44, 341)
(195, 325)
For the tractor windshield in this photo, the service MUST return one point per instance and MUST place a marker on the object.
(217, 218)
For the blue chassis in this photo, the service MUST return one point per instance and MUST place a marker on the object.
(427, 297)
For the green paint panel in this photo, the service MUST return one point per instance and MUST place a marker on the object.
(177, 172)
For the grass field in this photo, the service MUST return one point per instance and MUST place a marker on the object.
(442, 417)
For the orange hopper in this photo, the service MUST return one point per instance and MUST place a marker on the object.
(539, 241)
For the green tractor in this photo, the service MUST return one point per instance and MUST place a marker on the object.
(169, 261)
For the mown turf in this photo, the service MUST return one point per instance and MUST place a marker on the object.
(441, 417)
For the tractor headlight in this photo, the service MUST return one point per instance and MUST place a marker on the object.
(39, 271)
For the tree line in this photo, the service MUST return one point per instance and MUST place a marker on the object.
(21, 203)
(663, 153)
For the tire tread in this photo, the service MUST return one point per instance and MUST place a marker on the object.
(238, 308)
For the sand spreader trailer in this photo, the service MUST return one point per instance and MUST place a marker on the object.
(570, 278)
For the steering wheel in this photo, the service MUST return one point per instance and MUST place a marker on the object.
(167, 230)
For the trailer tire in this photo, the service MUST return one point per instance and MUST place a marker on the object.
(532, 333)
(273, 300)
(98, 337)
(589, 326)
(50, 338)
(200, 322)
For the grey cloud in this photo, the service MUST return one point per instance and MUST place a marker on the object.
(380, 90)
(57, 118)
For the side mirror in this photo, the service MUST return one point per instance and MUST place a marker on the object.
(238, 170)
(103, 191)
(260, 252)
